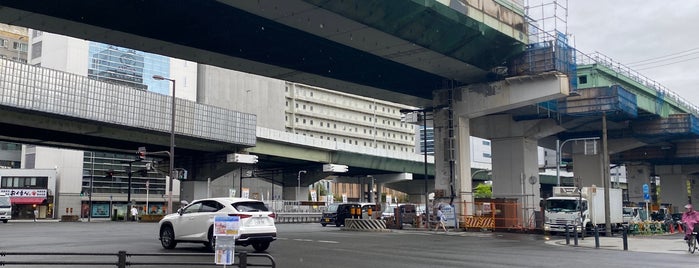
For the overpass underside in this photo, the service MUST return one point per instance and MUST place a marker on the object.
(52, 108)
(406, 49)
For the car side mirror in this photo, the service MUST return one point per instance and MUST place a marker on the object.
(180, 211)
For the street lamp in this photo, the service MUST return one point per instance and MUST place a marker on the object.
(558, 155)
(172, 142)
(424, 151)
(298, 178)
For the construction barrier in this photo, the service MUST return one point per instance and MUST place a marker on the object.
(493, 214)
(366, 225)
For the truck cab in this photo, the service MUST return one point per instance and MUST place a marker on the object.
(5, 208)
(561, 211)
(582, 207)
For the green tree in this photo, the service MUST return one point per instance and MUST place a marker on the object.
(483, 190)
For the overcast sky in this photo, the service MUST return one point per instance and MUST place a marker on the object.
(630, 31)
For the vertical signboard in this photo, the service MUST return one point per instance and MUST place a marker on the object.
(225, 231)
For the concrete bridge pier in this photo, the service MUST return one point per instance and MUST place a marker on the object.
(454, 127)
(515, 162)
(636, 176)
(673, 185)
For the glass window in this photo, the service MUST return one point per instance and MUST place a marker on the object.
(250, 206)
(193, 208)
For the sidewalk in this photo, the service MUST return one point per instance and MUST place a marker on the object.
(665, 243)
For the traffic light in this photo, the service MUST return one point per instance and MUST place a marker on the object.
(141, 153)
(181, 174)
(109, 174)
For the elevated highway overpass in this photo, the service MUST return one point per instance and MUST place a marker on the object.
(423, 53)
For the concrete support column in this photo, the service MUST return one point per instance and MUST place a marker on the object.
(460, 181)
(587, 164)
(673, 191)
(673, 186)
(636, 176)
(694, 189)
(516, 175)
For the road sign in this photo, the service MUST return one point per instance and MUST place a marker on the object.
(646, 192)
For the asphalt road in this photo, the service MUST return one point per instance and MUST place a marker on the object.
(310, 245)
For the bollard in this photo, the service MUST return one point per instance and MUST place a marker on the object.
(567, 234)
(121, 259)
(243, 259)
(575, 233)
(596, 237)
(624, 238)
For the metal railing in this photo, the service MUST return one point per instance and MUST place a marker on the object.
(121, 259)
(619, 68)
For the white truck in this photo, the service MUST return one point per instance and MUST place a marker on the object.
(565, 207)
(5, 208)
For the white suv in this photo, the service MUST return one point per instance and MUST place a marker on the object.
(194, 223)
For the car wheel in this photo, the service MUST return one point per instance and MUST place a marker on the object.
(167, 237)
(211, 245)
(324, 224)
(260, 246)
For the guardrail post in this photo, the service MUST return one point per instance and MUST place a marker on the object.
(121, 262)
(567, 234)
(243, 259)
(624, 236)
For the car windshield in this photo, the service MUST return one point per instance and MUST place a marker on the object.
(5, 201)
(562, 205)
(332, 208)
(250, 206)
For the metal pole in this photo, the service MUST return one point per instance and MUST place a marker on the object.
(128, 195)
(424, 152)
(172, 149)
(92, 181)
(607, 184)
(558, 162)
(298, 179)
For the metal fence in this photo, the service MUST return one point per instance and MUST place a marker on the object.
(288, 211)
(124, 259)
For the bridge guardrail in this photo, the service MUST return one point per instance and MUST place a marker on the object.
(121, 259)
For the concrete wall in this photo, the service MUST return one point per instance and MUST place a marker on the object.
(68, 165)
(61, 53)
(243, 92)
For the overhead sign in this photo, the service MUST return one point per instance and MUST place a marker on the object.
(335, 168)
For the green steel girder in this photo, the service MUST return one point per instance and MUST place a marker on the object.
(646, 97)
(390, 165)
(432, 25)
(379, 164)
(290, 151)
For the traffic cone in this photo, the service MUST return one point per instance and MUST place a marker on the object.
(672, 228)
(679, 228)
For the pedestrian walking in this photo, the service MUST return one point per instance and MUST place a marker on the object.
(134, 213)
(441, 220)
